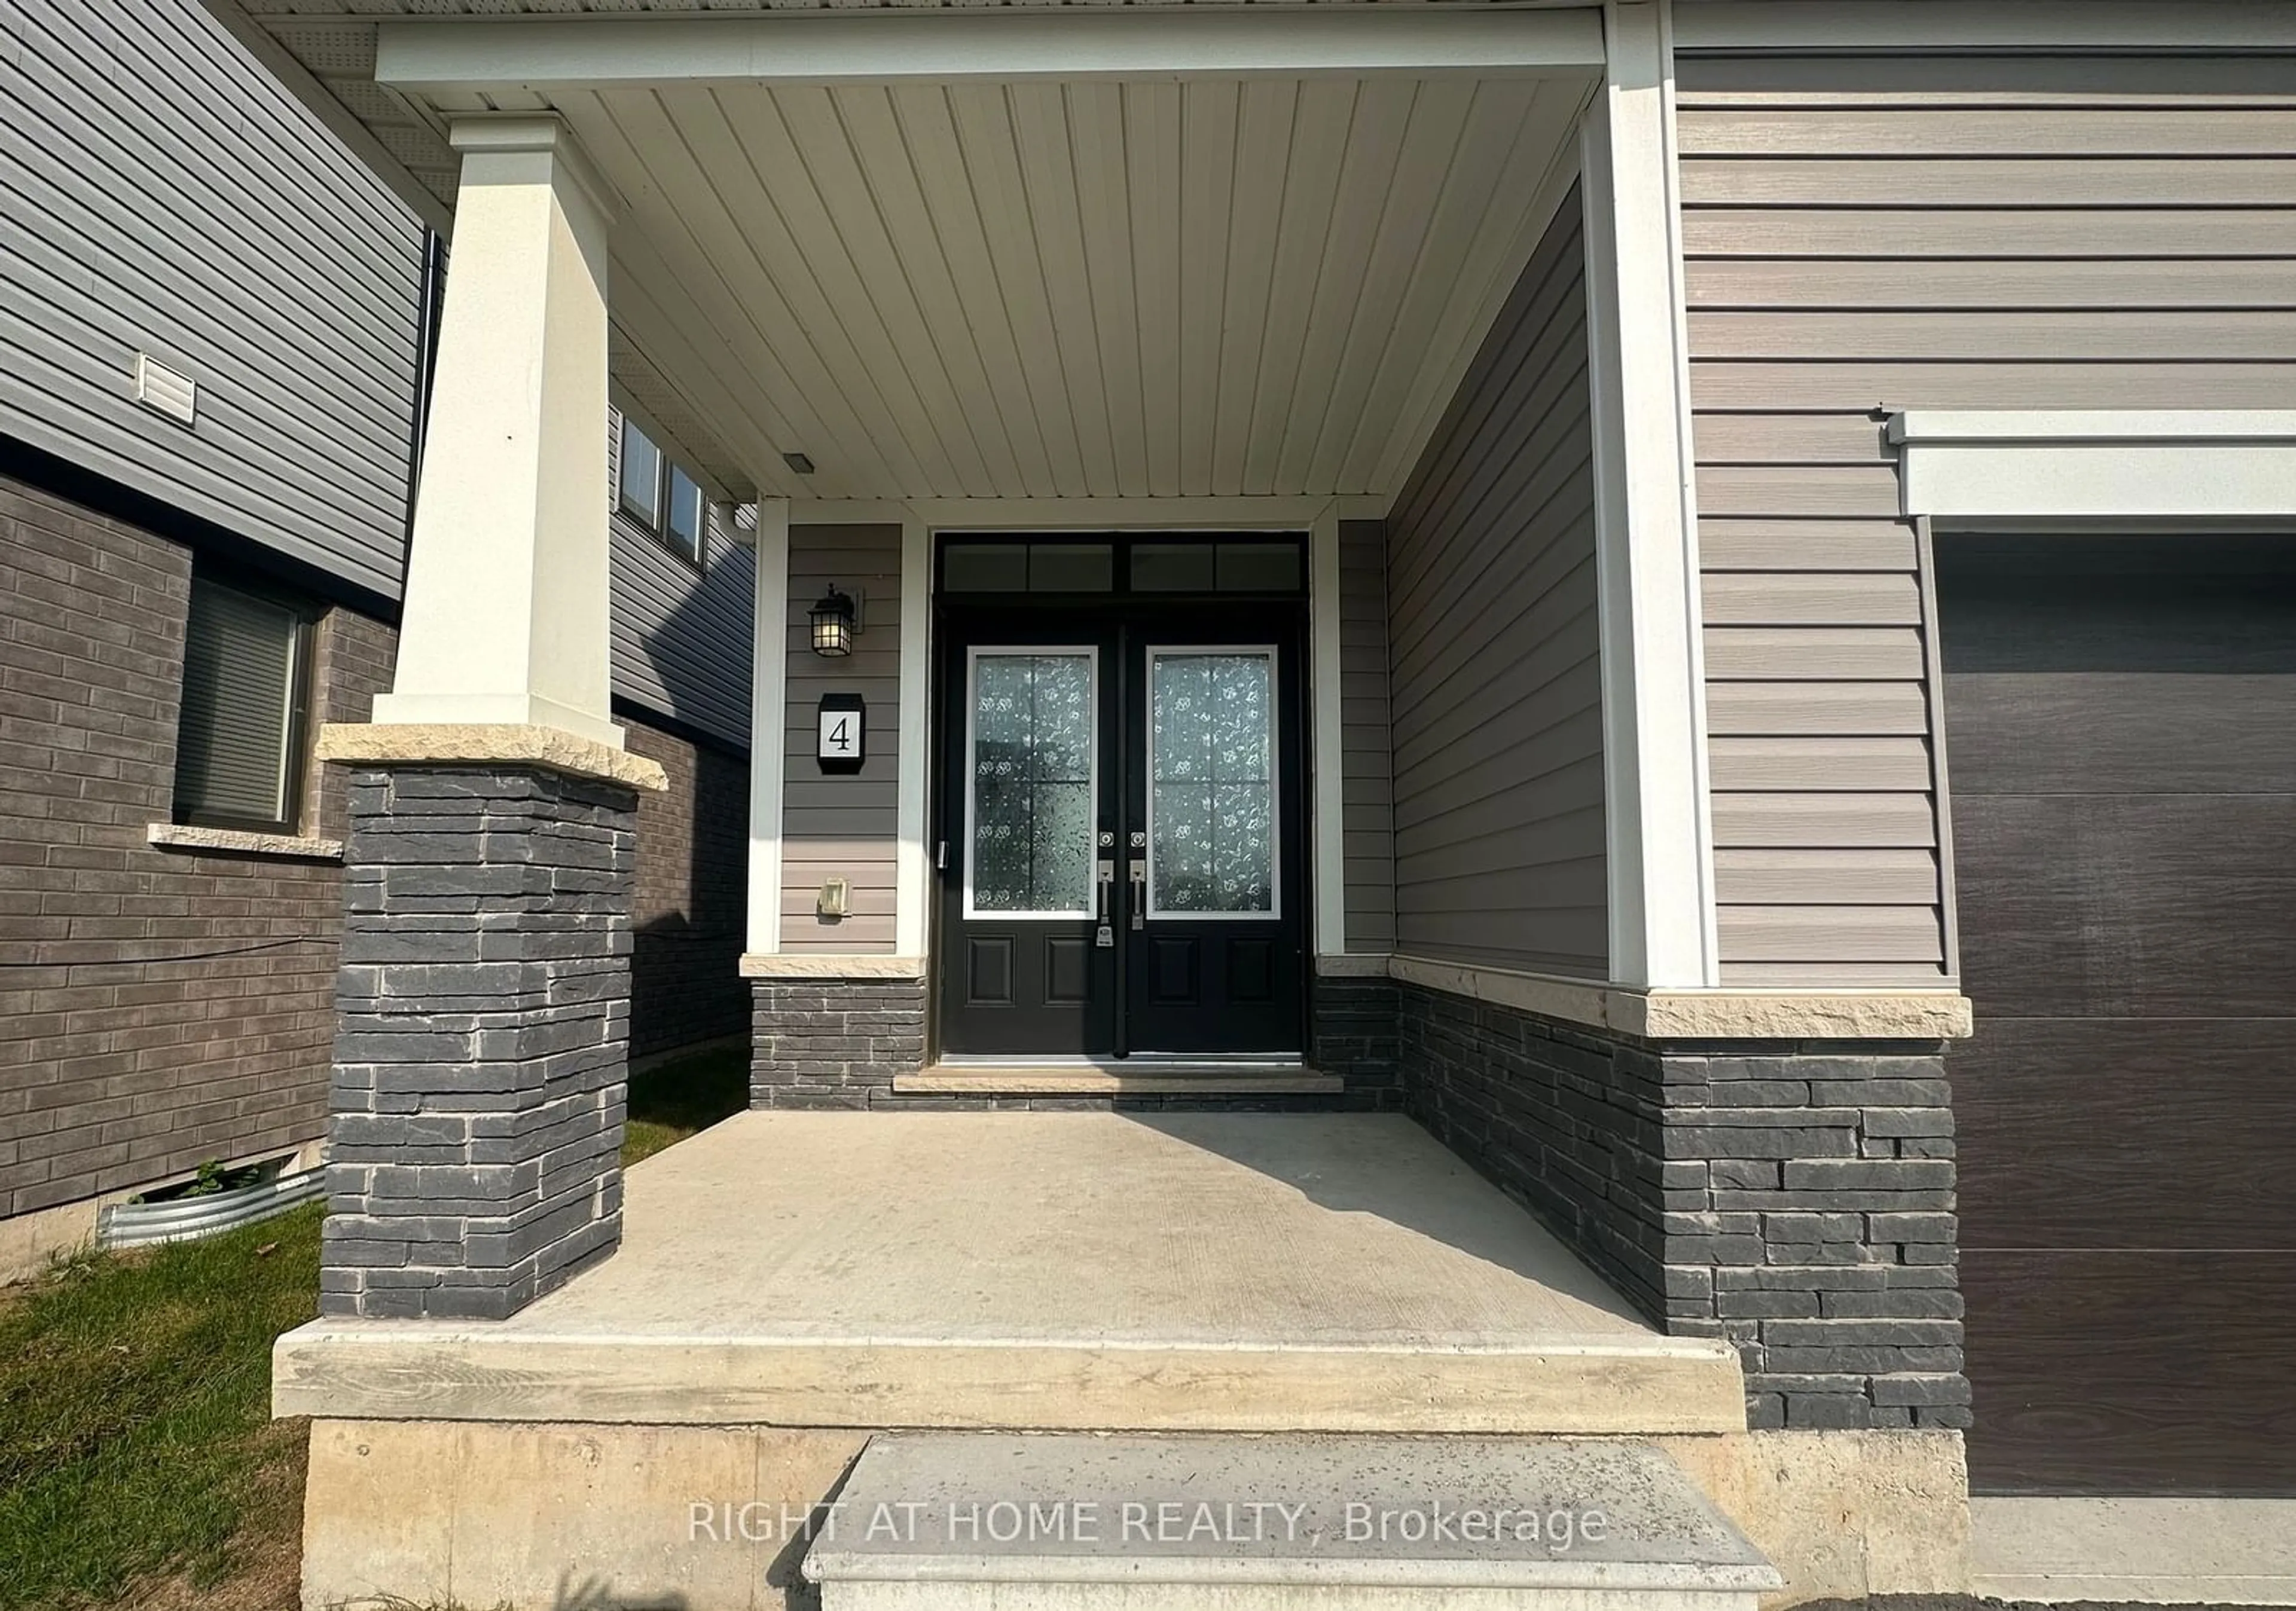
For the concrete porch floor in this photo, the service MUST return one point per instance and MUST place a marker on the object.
(1193, 1272)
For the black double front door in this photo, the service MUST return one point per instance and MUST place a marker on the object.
(1121, 831)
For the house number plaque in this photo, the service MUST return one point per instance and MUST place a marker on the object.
(841, 743)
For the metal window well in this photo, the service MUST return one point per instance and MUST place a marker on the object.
(186, 1219)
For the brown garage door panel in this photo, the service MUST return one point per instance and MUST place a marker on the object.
(2133, 1372)
(2099, 1133)
(2127, 906)
(2121, 733)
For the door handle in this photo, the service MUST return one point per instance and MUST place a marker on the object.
(1139, 893)
(1105, 873)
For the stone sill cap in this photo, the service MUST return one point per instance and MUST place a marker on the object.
(487, 744)
(1910, 1014)
(239, 841)
(828, 965)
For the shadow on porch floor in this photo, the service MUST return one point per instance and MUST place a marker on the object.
(1250, 1272)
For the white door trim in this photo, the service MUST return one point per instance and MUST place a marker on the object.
(1327, 768)
(913, 866)
(769, 721)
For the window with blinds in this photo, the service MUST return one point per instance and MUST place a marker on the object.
(239, 740)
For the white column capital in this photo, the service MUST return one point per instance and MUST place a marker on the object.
(507, 612)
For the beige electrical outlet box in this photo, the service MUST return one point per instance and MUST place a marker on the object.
(832, 899)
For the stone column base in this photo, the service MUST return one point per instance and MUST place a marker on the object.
(480, 1059)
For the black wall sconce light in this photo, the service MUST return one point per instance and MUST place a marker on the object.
(834, 623)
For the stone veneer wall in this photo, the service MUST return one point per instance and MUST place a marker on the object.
(839, 1043)
(480, 1060)
(1796, 1198)
(1352, 1033)
(833, 1042)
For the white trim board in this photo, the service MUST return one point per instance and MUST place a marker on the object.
(2106, 464)
(768, 699)
(1659, 839)
(1986, 25)
(433, 58)
(1281, 513)
(913, 866)
(1327, 737)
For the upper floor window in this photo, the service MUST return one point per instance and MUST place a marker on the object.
(660, 496)
(240, 734)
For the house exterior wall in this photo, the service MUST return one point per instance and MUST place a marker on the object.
(682, 640)
(688, 905)
(161, 1007)
(1925, 231)
(1496, 680)
(846, 826)
(167, 196)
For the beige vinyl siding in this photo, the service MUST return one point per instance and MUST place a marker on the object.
(1367, 813)
(1865, 234)
(846, 826)
(1496, 678)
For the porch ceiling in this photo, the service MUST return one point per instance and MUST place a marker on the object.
(1227, 281)
(1090, 290)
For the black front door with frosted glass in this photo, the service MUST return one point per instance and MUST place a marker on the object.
(1121, 813)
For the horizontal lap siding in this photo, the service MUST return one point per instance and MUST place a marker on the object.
(161, 193)
(843, 827)
(1865, 234)
(1496, 682)
(682, 633)
(1368, 810)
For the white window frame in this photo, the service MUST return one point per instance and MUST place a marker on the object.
(1267, 651)
(1090, 652)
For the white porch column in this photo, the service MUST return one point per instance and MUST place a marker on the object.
(1661, 849)
(507, 607)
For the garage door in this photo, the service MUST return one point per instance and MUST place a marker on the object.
(2120, 719)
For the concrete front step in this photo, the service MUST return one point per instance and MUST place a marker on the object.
(1017, 1522)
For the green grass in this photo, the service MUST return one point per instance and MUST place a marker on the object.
(138, 1460)
(672, 1102)
(135, 1437)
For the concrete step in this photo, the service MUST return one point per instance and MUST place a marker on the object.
(1071, 1522)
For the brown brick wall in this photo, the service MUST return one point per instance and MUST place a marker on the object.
(690, 905)
(157, 1008)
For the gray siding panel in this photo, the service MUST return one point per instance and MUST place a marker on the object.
(843, 827)
(1367, 813)
(207, 219)
(682, 638)
(1869, 233)
(1494, 678)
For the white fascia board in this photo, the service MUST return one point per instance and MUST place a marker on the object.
(430, 59)
(2099, 465)
(1985, 24)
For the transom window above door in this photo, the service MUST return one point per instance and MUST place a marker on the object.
(1165, 566)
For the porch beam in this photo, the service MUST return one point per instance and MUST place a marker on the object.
(436, 59)
(1657, 815)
